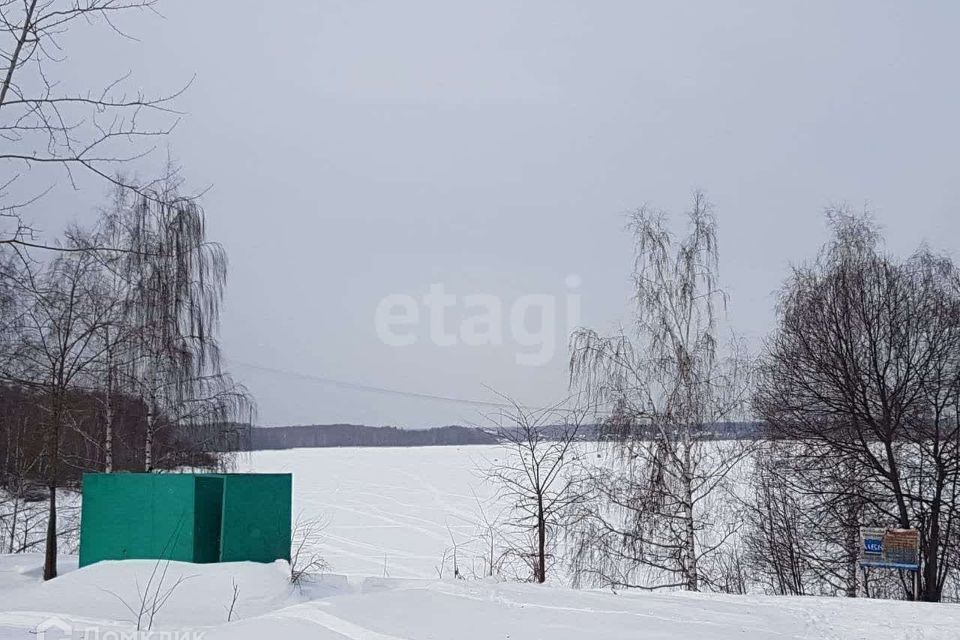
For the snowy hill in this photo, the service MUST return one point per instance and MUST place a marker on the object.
(102, 599)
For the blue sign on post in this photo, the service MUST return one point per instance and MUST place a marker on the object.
(890, 548)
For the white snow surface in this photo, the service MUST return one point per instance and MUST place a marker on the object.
(399, 503)
(389, 511)
(86, 601)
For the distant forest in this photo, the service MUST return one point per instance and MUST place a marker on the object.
(354, 435)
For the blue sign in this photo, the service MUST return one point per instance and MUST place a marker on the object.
(873, 546)
(890, 548)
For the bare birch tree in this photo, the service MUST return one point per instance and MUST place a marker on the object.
(667, 387)
(173, 281)
(132, 324)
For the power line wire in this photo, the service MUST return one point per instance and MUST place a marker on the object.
(356, 386)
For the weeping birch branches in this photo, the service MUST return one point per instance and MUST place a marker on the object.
(667, 386)
(120, 329)
(172, 281)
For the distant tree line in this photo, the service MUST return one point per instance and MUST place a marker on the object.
(352, 435)
(22, 458)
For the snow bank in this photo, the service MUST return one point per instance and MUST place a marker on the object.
(480, 611)
(339, 608)
(26, 569)
(196, 595)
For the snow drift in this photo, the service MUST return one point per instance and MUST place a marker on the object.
(337, 608)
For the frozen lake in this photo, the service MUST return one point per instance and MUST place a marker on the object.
(393, 511)
(389, 511)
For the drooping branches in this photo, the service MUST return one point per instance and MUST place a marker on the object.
(115, 339)
(667, 387)
(172, 282)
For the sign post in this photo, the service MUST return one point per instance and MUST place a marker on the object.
(891, 549)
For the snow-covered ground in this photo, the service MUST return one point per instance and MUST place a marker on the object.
(101, 601)
(389, 511)
(391, 514)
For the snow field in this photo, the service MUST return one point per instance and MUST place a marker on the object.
(391, 514)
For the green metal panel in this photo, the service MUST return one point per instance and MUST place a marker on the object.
(207, 518)
(136, 515)
(186, 517)
(256, 517)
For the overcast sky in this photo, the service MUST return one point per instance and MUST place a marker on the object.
(362, 149)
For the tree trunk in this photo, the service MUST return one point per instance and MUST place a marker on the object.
(108, 444)
(853, 546)
(895, 484)
(50, 552)
(541, 573)
(929, 589)
(690, 542)
(13, 519)
(17, 484)
(148, 443)
(108, 427)
(53, 466)
(927, 583)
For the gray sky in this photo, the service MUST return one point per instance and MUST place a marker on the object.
(361, 149)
